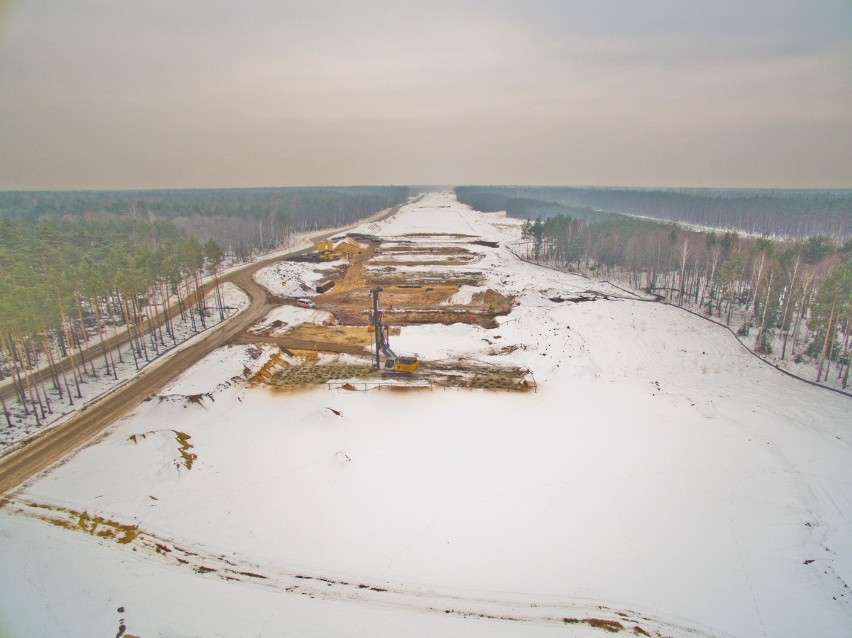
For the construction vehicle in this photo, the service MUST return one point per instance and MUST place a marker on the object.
(325, 286)
(394, 362)
(325, 249)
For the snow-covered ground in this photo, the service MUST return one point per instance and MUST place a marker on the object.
(740, 322)
(660, 478)
(295, 278)
(283, 318)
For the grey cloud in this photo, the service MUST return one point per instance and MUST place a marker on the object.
(180, 93)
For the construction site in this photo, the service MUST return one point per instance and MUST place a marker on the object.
(367, 290)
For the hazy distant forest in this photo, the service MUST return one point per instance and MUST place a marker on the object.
(791, 297)
(242, 221)
(77, 265)
(776, 213)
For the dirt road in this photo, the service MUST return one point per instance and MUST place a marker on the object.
(42, 452)
(54, 444)
(94, 350)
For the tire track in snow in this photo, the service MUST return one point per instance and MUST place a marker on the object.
(591, 614)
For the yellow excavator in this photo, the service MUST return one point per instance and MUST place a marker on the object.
(393, 361)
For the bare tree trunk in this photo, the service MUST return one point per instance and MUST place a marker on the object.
(190, 301)
(17, 366)
(170, 327)
(845, 355)
(32, 357)
(788, 302)
(104, 349)
(200, 300)
(710, 281)
(5, 411)
(761, 334)
(45, 347)
(130, 338)
(219, 296)
(806, 289)
(786, 329)
(85, 338)
(71, 356)
(30, 388)
(825, 345)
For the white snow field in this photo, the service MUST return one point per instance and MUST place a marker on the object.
(661, 481)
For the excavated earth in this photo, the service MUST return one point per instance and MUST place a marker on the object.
(410, 296)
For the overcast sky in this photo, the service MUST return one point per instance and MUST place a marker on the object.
(178, 93)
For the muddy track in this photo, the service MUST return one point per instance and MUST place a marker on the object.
(231, 567)
(40, 453)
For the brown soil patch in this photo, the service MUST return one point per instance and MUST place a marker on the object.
(422, 295)
(409, 296)
(416, 295)
(493, 300)
(440, 235)
(295, 376)
(441, 256)
(449, 261)
(446, 316)
(275, 361)
(612, 626)
(308, 356)
(188, 457)
(465, 373)
(351, 335)
(271, 328)
(352, 308)
(352, 277)
(419, 249)
(386, 276)
(482, 310)
(82, 522)
(185, 449)
(497, 382)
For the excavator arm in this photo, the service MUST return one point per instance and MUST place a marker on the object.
(392, 360)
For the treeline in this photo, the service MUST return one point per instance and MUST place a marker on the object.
(499, 198)
(65, 284)
(775, 212)
(794, 297)
(242, 221)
